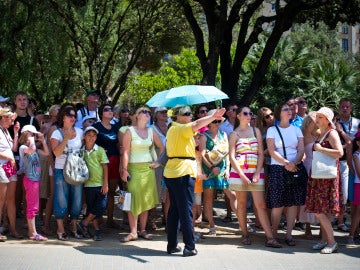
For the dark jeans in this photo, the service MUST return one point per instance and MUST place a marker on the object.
(181, 191)
(95, 201)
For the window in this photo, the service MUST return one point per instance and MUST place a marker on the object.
(345, 44)
(344, 29)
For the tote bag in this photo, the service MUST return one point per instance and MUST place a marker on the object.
(322, 165)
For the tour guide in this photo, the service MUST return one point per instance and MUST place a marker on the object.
(180, 173)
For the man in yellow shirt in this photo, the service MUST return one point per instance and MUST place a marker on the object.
(179, 175)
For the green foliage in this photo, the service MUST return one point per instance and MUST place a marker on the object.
(175, 71)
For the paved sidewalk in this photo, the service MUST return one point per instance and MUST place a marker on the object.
(224, 251)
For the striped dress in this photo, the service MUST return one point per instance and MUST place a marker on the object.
(246, 155)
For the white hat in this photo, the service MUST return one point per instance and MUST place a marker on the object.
(327, 112)
(3, 99)
(90, 128)
(30, 128)
(87, 117)
(160, 109)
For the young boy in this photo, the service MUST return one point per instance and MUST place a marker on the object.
(96, 188)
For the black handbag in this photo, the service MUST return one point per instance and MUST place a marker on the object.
(292, 178)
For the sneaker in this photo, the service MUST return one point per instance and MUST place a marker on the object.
(300, 226)
(97, 236)
(250, 229)
(75, 235)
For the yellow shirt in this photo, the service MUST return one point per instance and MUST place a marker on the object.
(180, 143)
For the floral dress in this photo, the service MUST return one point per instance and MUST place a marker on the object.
(324, 195)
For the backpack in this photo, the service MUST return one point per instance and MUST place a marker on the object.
(75, 170)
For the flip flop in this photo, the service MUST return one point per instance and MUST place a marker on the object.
(129, 237)
(38, 237)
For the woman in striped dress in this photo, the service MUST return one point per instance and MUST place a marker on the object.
(247, 173)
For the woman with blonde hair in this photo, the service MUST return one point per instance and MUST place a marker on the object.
(138, 173)
(8, 175)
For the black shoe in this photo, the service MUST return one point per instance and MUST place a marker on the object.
(174, 250)
(187, 253)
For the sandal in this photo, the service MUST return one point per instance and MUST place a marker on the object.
(62, 237)
(17, 236)
(38, 237)
(129, 237)
(3, 238)
(145, 235)
(290, 242)
(246, 240)
(272, 243)
(212, 232)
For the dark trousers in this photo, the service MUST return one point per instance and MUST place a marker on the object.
(181, 191)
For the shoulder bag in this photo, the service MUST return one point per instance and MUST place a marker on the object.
(292, 178)
(218, 153)
(323, 166)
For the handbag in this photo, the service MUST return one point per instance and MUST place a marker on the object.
(75, 171)
(217, 153)
(323, 166)
(9, 170)
(292, 178)
(124, 202)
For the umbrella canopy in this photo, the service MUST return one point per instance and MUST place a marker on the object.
(186, 95)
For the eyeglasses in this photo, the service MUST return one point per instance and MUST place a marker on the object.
(70, 115)
(301, 102)
(145, 112)
(232, 110)
(125, 111)
(268, 115)
(203, 111)
(186, 114)
(285, 109)
(248, 113)
(107, 109)
(216, 122)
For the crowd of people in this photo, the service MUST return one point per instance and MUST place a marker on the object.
(180, 160)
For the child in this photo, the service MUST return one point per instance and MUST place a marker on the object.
(96, 188)
(198, 189)
(30, 165)
(355, 215)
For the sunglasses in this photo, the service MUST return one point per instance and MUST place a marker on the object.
(145, 112)
(268, 115)
(70, 115)
(301, 102)
(107, 110)
(232, 110)
(125, 111)
(216, 122)
(203, 111)
(248, 113)
(285, 109)
(186, 114)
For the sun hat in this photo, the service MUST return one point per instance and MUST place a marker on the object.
(30, 128)
(327, 112)
(89, 128)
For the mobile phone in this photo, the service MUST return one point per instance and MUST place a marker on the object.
(128, 178)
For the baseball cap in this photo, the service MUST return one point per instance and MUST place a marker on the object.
(4, 99)
(87, 117)
(92, 91)
(89, 129)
